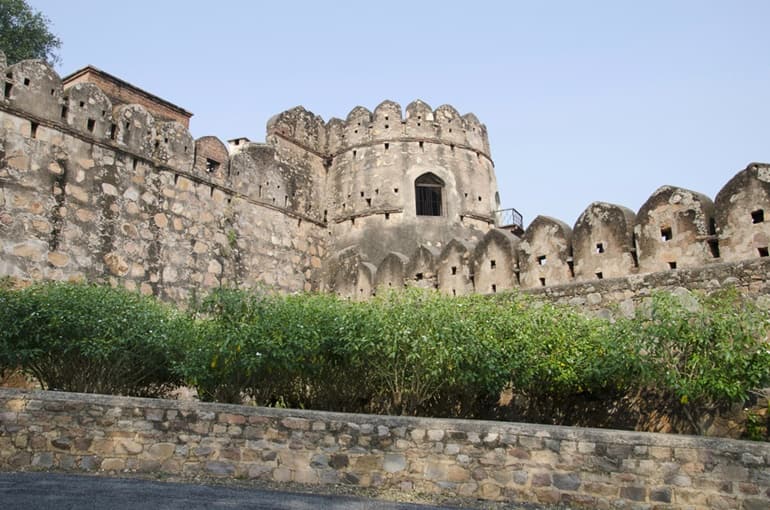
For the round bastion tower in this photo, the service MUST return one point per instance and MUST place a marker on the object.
(400, 182)
(394, 188)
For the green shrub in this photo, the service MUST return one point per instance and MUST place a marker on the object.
(87, 338)
(703, 351)
(411, 352)
(274, 349)
(421, 351)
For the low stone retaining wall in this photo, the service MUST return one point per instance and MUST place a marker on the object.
(586, 468)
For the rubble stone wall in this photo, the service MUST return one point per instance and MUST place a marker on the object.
(107, 192)
(582, 468)
(88, 191)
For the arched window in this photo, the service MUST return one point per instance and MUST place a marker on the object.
(428, 189)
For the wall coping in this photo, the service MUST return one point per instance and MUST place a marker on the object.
(542, 431)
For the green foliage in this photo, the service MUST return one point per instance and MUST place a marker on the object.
(756, 427)
(705, 353)
(428, 354)
(411, 352)
(271, 348)
(86, 338)
(25, 33)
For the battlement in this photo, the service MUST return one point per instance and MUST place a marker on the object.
(95, 187)
(387, 124)
(675, 229)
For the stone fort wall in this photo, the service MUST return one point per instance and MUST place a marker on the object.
(580, 468)
(107, 192)
(678, 238)
(102, 193)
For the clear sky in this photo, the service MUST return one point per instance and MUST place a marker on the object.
(584, 101)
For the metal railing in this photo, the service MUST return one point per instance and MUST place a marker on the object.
(509, 217)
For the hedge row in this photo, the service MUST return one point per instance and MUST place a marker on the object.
(412, 352)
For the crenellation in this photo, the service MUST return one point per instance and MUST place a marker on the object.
(174, 145)
(134, 129)
(603, 242)
(33, 87)
(92, 186)
(672, 229)
(545, 253)
(88, 110)
(212, 159)
(495, 262)
(335, 133)
(742, 215)
(421, 269)
(453, 268)
(391, 272)
(301, 127)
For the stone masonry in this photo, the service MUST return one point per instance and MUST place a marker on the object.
(102, 181)
(582, 468)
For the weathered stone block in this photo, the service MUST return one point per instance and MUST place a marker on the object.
(161, 451)
(112, 464)
(219, 468)
(633, 493)
(394, 462)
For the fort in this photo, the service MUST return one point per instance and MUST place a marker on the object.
(100, 180)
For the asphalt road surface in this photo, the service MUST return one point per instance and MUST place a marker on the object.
(43, 491)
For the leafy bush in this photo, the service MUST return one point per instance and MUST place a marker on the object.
(428, 354)
(274, 349)
(704, 351)
(88, 338)
(410, 352)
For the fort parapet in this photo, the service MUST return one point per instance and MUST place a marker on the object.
(97, 187)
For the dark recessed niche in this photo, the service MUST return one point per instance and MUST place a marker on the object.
(454, 270)
(763, 252)
(542, 282)
(666, 234)
(672, 265)
(599, 247)
(758, 216)
(714, 247)
(492, 264)
(494, 288)
(541, 260)
(599, 276)
(212, 166)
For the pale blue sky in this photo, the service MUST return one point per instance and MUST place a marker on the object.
(584, 101)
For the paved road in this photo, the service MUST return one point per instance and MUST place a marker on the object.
(44, 491)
